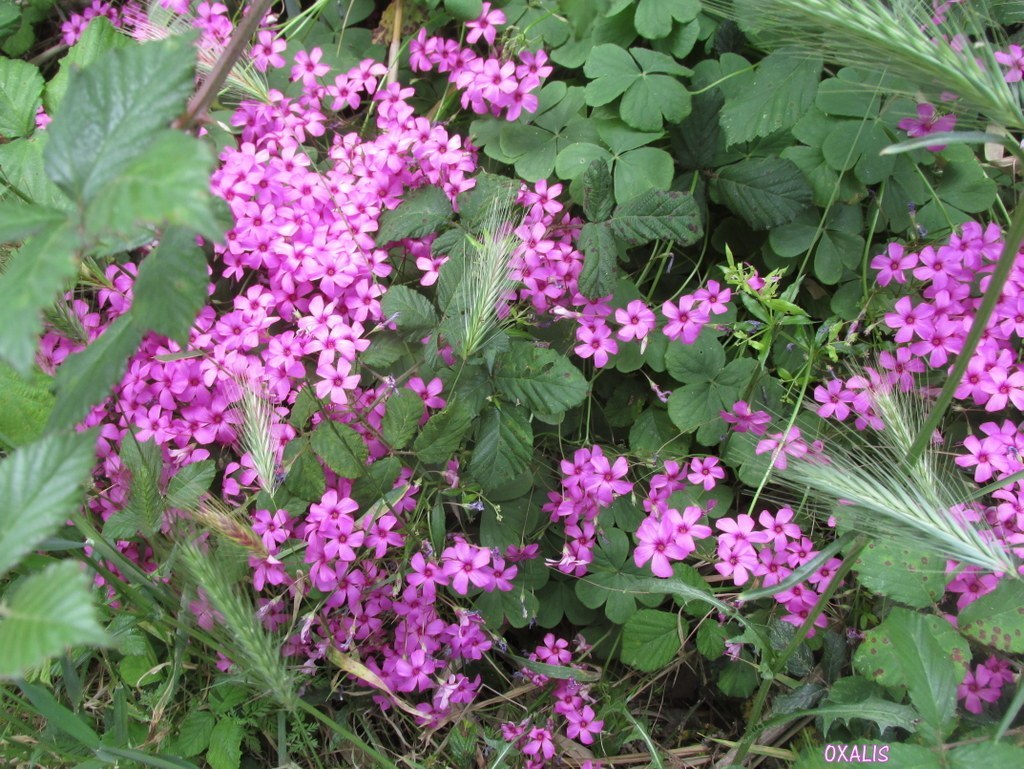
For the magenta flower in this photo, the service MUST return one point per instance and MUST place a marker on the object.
(583, 725)
(464, 564)
(596, 342)
(744, 420)
(705, 472)
(685, 320)
(485, 25)
(926, 123)
(892, 264)
(636, 320)
(978, 687)
(1013, 60)
(657, 544)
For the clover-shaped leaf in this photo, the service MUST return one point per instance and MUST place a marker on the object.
(644, 79)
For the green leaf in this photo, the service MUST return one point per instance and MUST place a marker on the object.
(504, 446)
(576, 158)
(225, 745)
(657, 214)
(697, 405)
(645, 79)
(777, 96)
(30, 283)
(172, 286)
(653, 19)
(401, 418)
(168, 185)
(421, 213)
(21, 85)
(412, 311)
(44, 614)
(650, 639)
(765, 192)
(924, 654)
(997, 619)
(59, 717)
(640, 170)
(341, 448)
(25, 405)
(464, 10)
(987, 754)
(41, 486)
(598, 199)
(98, 37)
(611, 71)
(442, 435)
(711, 638)
(540, 378)
(114, 109)
(653, 435)
(305, 477)
(906, 574)
(89, 375)
(19, 220)
(696, 362)
(886, 714)
(600, 260)
(193, 736)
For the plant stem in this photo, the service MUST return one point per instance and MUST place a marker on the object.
(1014, 237)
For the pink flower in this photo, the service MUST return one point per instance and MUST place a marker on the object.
(595, 341)
(685, 320)
(744, 420)
(705, 472)
(464, 564)
(1014, 61)
(636, 320)
(583, 725)
(657, 544)
(485, 25)
(927, 123)
(267, 51)
(892, 264)
(835, 399)
(977, 688)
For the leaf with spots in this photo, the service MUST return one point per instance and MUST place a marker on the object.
(997, 619)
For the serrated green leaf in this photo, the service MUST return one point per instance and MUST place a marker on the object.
(89, 375)
(225, 745)
(411, 310)
(20, 220)
(711, 638)
(41, 485)
(401, 418)
(539, 378)
(421, 213)
(997, 619)
(172, 286)
(598, 198)
(780, 92)
(657, 214)
(168, 185)
(341, 448)
(504, 446)
(25, 405)
(44, 614)
(21, 85)
(30, 283)
(650, 639)
(442, 435)
(21, 164)
(193, 736)
(114, 109)
(600, 260)
(305, 476)
(98, 37)
(765, 192)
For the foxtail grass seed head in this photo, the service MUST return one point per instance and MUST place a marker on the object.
(255, 434)
(865, 480)
(947, 52)
(487, 283)
(213, 515)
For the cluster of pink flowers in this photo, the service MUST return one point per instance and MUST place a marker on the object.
(72, 29)
(590, 483)
(493, 84)
(687, 316)
(571, 701)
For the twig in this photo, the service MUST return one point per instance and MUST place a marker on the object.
(208, 91)
(396, 44)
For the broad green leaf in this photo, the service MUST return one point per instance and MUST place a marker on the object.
(711, 638)
(653, 19)
(504, 446)
(738, 679)
(658, 215)
(172, 286)
(987, 754)
(598, 198)
(697, 406)
(476, 206)
(305, 476)
(539, 378)
(167, 185)
(697, 362)
(225, 745)
(59, 717)
(31, 281)
(420, 214)
(21, 85)
(641, 170)
(924, 654)
(412, 312)
(766, 192)
(611, 71)
(965, 184)
(21, 167)
(19, 220)
(600, 260)
(646, 81)
(777, 96)
(578, 157)
(98, 37)
(907, 575)
(613, 578)
(401, 418)
(650, 639)
(464, 10)
(852, 93)
(41, 485)
(193, 735)
(441, 437)
(25, 405)
(89, 375)
(114, 109)
(45, 613)
(997, 619)
(340, 447)
(653, 434)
